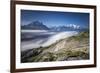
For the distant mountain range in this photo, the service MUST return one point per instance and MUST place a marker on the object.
(37, 25)
(65, 28)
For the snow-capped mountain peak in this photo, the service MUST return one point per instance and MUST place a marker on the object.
(73, 26)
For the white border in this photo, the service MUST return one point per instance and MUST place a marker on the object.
(20, 65)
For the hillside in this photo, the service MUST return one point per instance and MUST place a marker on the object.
(72, 48)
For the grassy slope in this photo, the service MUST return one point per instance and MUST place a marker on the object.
(72, 48)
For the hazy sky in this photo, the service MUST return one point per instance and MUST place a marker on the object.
(52, 18)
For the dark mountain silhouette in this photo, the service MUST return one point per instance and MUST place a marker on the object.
(35, 25)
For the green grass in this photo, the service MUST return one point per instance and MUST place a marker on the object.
(81, 36)
(70, 53)
(44, 57)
